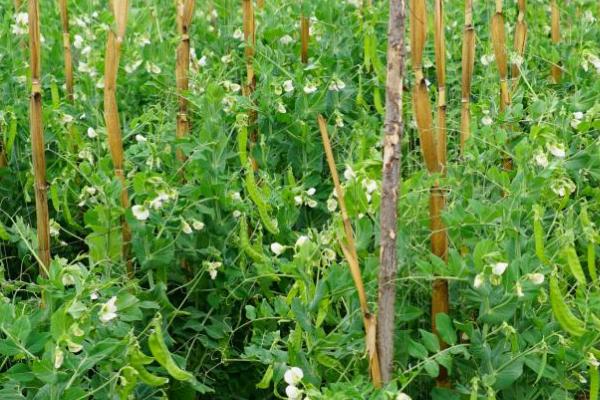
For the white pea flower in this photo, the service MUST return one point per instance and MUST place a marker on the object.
(487, 120)
(108, 311)
(74, 347)
(519, 289)
(486, 59)
(237, 214)
(536, 278)
(293, 376)
(298, 200)
(301, 240)
(563, 187)
(329, 255)
(339, 121)
(557, 150)
(198, 225)
(311, 191)
(281, 108)
(238, 34)
(336, 85)
(370, 185)
(203, 61)
(94, 296)
(130, 68)
(277, 248)
(312, 203)
(592, 360)
(186, 228)
(86, 50)
(142, 40)
(285, 40)
(226, 59)
(293, 393)
(91, 133)
(20, 27)
(235, 196)
(578, 115)
(152, 68)
(78, 41)
(331, 204)
(541, 159)
(499, 268)
(479, 280)
(59, 357)
(588, 17)
(67, 119)
(310, 88)
(403, 396)
(349, 173)
(54, 228)
(288, 86)
(140, 139)
(76, 330)
(68, 280)
(141, 213)
(355, 3)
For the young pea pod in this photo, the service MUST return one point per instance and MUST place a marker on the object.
(590, 235)
(572, 260)
(161, 353)
(538, 233)
(594, 382)
(377, 101)
(148, 378)
(258, 200)
(127, 379)
(242, 140)
(245, 245)
(591, 261)
(562, 313)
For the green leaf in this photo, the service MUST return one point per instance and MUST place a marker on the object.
(432, 368)
(509, 374)
(445, 328)
(265, 382)
(417, 350)
(430, 340)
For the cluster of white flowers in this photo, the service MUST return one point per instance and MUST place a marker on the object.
(293, 376)
(563, 187)
(498, 270)
(487, 59)
(187, 228)
(577, 118)
(590, 58)
(108, 310)
(310, 88)
(152, 68)
(336, 85)
(228, 102)
(285, 40)
(133, 66)
(212, 267)
(227, 58)
(230, 86)
(21, 24)
(486, 119)
(306, 198)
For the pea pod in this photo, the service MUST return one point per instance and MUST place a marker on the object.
(137, 357)
(258, 200)
(594, 382)
(54, 95)
(128, 380)
(538, 233)
(161, 353)
(572, 259)
(12, 133)
(377, 101)
(149, 378)
(245, 243)
(562, 313)
(242, 140)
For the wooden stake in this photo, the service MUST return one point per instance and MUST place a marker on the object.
(556, 69)
(498, 42)
(349, 249)
(520, 39)
(111, 114)
(250, 85)
(37, 141)
(394, 130)
(304, 38)
(64, 18)
(440, 67)
(468, 60)
(185, 12)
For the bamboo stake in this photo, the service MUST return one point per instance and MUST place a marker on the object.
(394, 130)
(439, 239)
(520, 39)
(185, 12)
(250, 85)
(556, 70)
(498, 41)
(349, 250)
(468, 60)
(260, 3)
(421, 102)
(304, 38)
(37, 141)
(64, 18)
(111, 114)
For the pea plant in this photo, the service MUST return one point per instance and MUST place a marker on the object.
(270, 199)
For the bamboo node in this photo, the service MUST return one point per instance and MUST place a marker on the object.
(185, 36)
(36, 87)
(442, 96)
(182, 116)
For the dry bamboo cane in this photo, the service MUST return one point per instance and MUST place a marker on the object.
(520, 39)
(37, 141)
(421, 102)
(250, 85)
(498, 41)
(64, 18)
(468, 60)
(556, 69)
(304, 38)
(349, 250)
(439, 240)
(394, 130)
(111, 114)
(185, 12)
(260, 3)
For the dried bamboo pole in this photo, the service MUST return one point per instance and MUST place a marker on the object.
(248, 88)
(260, 3)
(304, 38)
(556, 71)
(37, 140)
(520, 39)
(111, 113)
(394, 130)
(349, 249)
(439, 238)
(498, 41)
(64, 18)
(468, 60)
(185, 12)
(421, 102)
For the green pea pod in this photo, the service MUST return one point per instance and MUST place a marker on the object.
(572, 259)
(245, 243)
(538, 233)
(137, 357)
(258, 200)
(562, 313)
(148, 378)
(242, 140)
(591, 261)
(594, 383)
(377, 101)
(54, 95)
(367, 52)
(161, 353)
(12, 133)
(128, 380)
